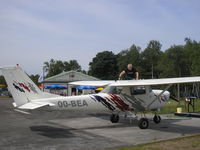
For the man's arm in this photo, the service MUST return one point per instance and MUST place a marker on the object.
(137, 75)
(121, 74)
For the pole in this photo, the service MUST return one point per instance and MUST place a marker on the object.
(178, 86)
(152, 70)
(43, 77)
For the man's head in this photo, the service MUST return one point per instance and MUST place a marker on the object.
(129, 66)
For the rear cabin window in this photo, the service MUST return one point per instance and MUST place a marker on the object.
(137, 90)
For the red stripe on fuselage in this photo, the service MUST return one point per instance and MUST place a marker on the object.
(118, 102)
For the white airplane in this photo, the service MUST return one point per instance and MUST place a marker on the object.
(119, 96)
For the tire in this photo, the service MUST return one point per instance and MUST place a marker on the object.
(114, 118)
(143, 123)
(157, 119)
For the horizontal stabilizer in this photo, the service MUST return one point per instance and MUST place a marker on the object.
(24, 112)
(34, 105)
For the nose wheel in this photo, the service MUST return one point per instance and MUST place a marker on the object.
(157, 119)
(114, 118)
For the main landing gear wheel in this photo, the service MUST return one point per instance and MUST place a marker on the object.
(114, 118)
(157, 119)
(143, 123)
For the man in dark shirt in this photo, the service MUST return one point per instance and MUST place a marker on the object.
(130, 73)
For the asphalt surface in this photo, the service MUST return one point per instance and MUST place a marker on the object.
(73, 131)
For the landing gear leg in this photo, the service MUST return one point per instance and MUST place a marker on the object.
(114, 118)
(157, 119)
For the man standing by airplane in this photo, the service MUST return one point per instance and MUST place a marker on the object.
(130, 73)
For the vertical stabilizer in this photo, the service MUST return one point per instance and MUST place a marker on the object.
(22, 88)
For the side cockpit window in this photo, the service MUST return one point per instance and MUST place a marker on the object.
(138, 90)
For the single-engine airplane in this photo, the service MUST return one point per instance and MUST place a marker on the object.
(119, 96)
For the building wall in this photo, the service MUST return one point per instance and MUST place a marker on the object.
(65, 78)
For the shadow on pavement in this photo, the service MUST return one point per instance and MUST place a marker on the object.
(52, 132)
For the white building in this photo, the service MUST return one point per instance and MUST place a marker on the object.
(65, 77)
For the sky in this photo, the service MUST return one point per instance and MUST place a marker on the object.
(34, 31)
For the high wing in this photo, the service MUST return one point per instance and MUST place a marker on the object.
(100, 83)
(156, 81)
(138, 82)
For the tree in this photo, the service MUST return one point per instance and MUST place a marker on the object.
(129, 56)
(2, 80)
(74, 65)
(71, 65)
(150, 58)
(35, 78)
(174, 63)
(104, 65)
(54, 67)
(192, 50)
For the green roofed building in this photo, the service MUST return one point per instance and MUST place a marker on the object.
(65, 77)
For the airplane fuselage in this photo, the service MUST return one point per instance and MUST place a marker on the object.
(141, 100)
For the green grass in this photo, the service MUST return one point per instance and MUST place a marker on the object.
(184, 143)
(171, 107)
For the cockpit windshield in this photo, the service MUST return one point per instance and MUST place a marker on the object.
(112, 90)
(129, 90)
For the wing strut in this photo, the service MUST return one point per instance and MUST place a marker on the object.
(159, 95)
